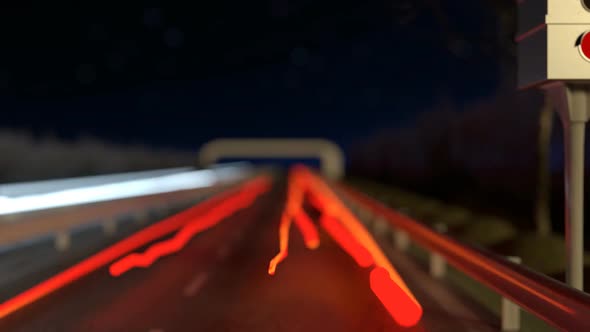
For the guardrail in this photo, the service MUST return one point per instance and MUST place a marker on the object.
(33, 212)
(552, 301)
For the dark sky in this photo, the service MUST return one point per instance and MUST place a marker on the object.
(178, 76)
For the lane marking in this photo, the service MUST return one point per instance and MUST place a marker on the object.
(195, 284)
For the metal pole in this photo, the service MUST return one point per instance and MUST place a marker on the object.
(510, 315)
(572, 104)
(574, 193)
(437, 263)
(401, 240)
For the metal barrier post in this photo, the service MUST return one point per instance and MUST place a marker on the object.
(365, 216)
(62, 241)
(141, 217)
(510, 311)
(380, 227)
(401, 240)
(109, 227)
(438, 265)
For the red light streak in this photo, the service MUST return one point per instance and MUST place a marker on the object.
(310, 233)
(294, 212)
(105, 256)
(353, 238)
(394, 298)
(180, 240)
(334, 207)
(347, 241)
(284, 227)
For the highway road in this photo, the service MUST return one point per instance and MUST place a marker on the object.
(31, 262)
(219, 282)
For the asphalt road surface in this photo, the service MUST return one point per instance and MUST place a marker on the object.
(30, 263)
(219, 282)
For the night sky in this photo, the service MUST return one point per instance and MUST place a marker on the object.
(178, 76)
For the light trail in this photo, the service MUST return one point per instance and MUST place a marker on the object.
(334, 207)
(108, 192)
(394, 298)
(109, 254)
(284, 227)
(294, 212)
(199, 224)
(352, 237)
(346, 241)
(311, 237)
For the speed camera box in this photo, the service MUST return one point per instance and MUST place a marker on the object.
(552, 41)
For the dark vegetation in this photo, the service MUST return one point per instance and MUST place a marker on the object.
(24, 157)
(483, 156)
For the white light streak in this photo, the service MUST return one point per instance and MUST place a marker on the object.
(107, 192)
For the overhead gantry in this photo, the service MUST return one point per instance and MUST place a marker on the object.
(330, 155)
